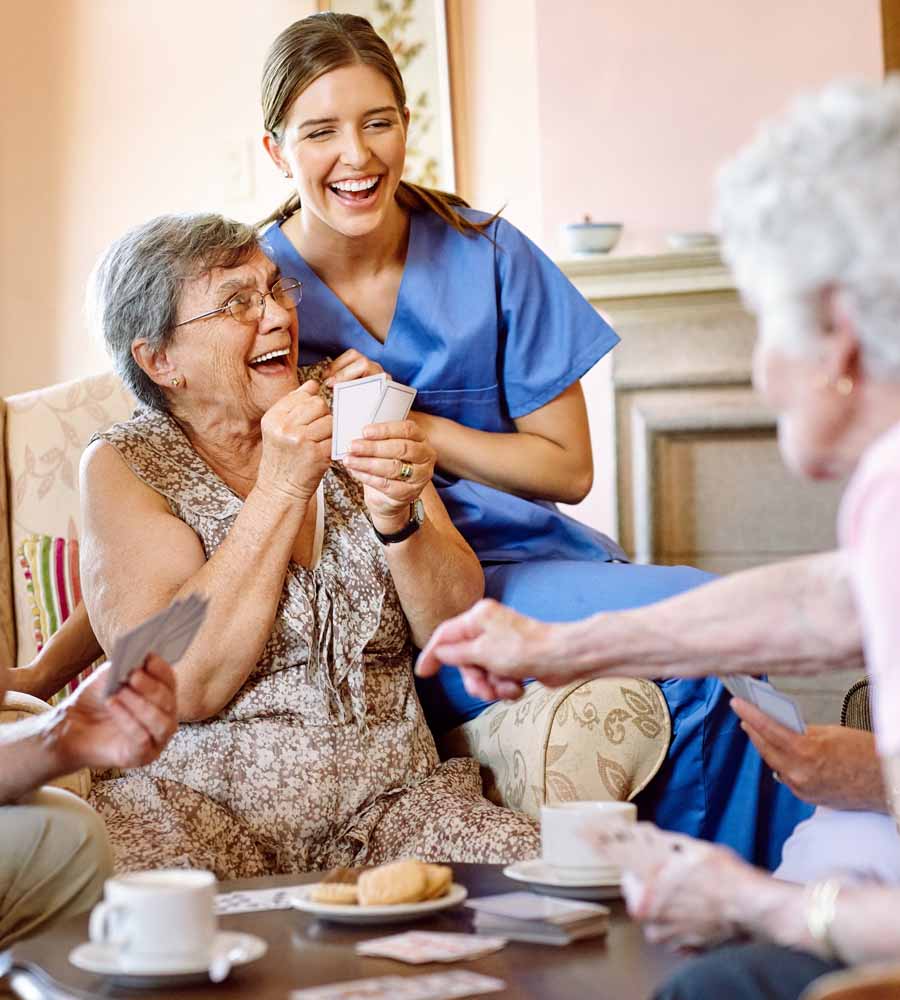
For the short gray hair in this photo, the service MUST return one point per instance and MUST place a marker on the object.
(135, 287)
(814, 202)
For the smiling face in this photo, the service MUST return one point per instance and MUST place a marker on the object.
(242, 367)
(344, 142)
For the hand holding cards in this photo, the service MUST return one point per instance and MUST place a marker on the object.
(371, 400)
(779, 706)
(168, 634)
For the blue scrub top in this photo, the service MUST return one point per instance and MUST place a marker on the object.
(486, 330)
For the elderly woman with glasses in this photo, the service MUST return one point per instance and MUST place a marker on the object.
(810, 216)
(302, 744)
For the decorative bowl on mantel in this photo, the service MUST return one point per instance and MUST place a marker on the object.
(693, 240)
(589, 237)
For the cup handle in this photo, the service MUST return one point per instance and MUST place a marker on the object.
(107, 924)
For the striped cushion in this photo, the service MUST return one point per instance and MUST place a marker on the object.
(53, 583)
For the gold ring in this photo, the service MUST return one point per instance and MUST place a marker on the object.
(406, 471)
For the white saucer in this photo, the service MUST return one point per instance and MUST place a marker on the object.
(104, 960)
(393, 914)
(547, 879)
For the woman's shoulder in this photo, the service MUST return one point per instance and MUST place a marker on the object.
(144, 424)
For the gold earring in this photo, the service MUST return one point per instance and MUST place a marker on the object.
(176, 382)
(844, 385)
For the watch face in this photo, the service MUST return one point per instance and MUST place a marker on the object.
(417, 513)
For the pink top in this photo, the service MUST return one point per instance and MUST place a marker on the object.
(869, 530)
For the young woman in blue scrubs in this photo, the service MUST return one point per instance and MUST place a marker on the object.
(466, 309)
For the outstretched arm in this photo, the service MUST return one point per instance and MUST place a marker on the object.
(89, 730)
(791, 617)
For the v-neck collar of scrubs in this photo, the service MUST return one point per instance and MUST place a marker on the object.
(368, 344)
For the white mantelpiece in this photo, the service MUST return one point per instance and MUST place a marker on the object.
(686, 462)
(687, 468)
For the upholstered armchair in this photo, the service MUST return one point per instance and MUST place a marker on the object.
(592, 740)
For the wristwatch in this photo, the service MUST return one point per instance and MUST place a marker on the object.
(416, 520)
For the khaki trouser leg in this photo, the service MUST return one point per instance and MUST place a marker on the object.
(54, 858)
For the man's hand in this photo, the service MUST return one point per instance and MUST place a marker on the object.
(495, 649)
(827, 765)
(127, 730)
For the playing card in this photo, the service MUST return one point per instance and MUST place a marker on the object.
(737, 686)
(168, 633)
(781, 707)
(437, 986)
(254, 900)
(417, 947)
(395, 404)
(353, 406)
(371, 400)
(529, 906)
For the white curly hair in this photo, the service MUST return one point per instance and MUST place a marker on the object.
(814, 203)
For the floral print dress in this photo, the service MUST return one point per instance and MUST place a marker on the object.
(323, 757)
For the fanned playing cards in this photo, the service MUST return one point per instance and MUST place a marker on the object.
(779, 706)
(376, 399)
(168, 634)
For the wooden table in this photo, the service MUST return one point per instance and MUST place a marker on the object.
(306, 952)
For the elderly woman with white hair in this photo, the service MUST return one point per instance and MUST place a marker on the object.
(810, 216)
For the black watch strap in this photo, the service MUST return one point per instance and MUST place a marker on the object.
(416, 517)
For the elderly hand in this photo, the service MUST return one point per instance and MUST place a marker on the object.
(351, 365)
(684, 891)
(827, 765)
(394, 463)
(495, 649)
(296, 444)
(127, 730)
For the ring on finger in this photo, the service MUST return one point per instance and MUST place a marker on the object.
(406, 471)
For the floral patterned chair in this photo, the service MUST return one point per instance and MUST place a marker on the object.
(593, 740)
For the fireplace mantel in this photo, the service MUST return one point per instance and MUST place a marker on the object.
(687, 468)
(686, 462)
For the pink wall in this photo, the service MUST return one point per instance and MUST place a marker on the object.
(640, 100)
(118, 110)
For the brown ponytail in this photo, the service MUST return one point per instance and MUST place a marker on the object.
(316, 45)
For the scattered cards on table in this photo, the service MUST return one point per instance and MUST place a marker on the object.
(168, 634)
(436, 986)
(254, 900)
(418, 947)
(780, 707)
(524, 916)
(375, 399)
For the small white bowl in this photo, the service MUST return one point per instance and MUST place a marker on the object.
(693, 241)
(591, 237)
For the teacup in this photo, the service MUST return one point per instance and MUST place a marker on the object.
(157, 920)
(565, 841)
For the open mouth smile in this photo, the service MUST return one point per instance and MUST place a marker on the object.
(356, 192)
(270, 362)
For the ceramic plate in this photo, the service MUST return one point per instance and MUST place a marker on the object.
(394, 914)
(544, 878)
(103, 959)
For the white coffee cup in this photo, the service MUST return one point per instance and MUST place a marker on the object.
(565, 843)
(157, 920)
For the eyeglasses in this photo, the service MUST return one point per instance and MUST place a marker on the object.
(250, 306)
